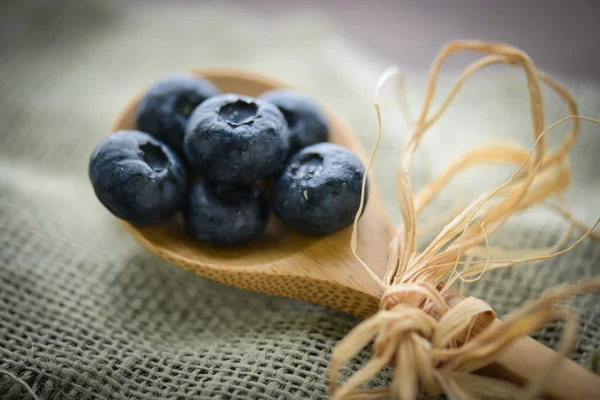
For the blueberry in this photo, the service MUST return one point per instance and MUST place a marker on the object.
(225, 215)
(307, 123)
(319, 190)
(236, 139)
(164, 110)
(137, 178)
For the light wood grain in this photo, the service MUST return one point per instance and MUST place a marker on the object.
(323, 270)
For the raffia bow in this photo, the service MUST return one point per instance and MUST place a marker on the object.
(432, 346)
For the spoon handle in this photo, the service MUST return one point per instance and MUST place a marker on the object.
(519, 362)
(526, 355)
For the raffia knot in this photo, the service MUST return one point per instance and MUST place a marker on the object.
(413, 332)
(407, 293)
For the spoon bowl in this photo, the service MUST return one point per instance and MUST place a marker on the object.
(281, 262)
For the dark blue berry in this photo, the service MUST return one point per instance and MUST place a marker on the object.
(236, 139)
(225, 215)
(307, 123)
(164, 110)
(319, 190)
(137, 178)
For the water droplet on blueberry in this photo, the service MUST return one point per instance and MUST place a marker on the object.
(307, 166)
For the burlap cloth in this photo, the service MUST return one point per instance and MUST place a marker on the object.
(85, 312)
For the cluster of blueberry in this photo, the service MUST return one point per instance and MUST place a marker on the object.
(238, 146)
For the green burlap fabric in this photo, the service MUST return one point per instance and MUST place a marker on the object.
(85, 312)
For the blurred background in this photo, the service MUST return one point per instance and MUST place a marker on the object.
(560, 35)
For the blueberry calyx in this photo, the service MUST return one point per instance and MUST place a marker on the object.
(308, 166)
(238, 112)
(154, 157)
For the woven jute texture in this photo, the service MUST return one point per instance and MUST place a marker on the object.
(85, 312)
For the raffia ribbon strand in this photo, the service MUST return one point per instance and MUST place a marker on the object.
(431, 345)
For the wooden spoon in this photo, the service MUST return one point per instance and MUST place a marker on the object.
(323, 270)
